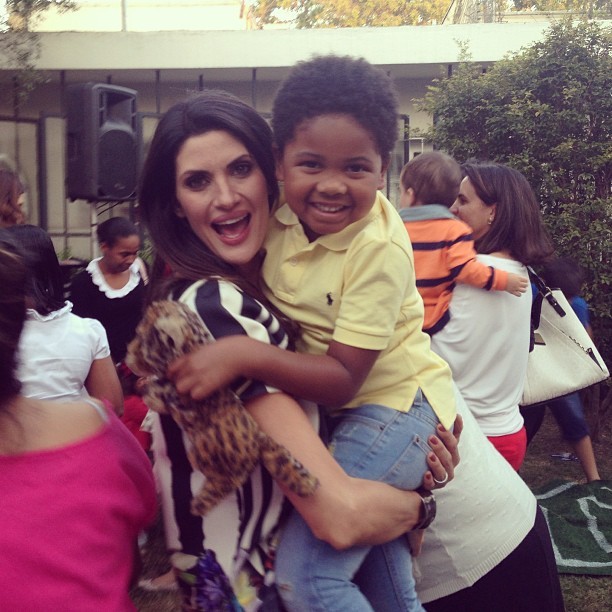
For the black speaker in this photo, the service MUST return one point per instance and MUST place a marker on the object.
(102, 142)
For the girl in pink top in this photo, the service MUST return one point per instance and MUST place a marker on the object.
(76, 488)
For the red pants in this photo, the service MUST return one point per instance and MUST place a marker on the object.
(512, 447)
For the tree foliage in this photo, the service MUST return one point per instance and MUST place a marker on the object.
(352, 13)
(361, 13)
(547, 111)
(590, 8)
(19, 46)
(23, 13)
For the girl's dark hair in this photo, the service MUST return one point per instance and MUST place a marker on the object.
(518, 226)
(177, 248)
(434, 176)
(111, 230)
(13, 277)
(11, 188)
(335, 85)
(566, 274)
(45, 288)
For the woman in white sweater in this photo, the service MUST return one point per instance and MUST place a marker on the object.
(486, 342)
(489, 547)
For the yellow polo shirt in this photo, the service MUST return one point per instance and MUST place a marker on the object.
(357, 287)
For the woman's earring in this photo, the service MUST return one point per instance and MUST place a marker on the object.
(490, 221)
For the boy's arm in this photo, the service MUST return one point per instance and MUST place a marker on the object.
(462, 262)
(331, 379)
(375, 275)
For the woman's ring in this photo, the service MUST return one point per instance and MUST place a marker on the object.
(443, 481)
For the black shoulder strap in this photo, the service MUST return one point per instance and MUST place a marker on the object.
(545, 292)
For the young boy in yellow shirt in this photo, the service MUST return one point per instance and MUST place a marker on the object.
(339, 262)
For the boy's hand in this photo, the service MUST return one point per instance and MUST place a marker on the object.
(208, 368)
(445, 456)
(517, 284)
(415, 541)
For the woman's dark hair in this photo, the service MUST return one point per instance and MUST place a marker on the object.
(434, 177)
(174, 241)
(518, 226)
(13, 277)
(45, 288)
(335, 85)
(108, 232)
(565, 274)
(11, 188)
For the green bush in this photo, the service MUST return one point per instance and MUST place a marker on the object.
(546, 111)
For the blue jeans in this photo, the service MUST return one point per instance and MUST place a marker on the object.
(568, 413)
(376, 443)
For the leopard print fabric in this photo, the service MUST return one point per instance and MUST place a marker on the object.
(227, 443)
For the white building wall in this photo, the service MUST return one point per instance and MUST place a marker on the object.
(166, 66)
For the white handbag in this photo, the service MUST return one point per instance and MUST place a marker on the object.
(562, 358)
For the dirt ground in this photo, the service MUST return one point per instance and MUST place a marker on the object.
(581, 593)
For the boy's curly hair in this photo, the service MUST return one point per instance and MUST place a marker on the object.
(327, 85)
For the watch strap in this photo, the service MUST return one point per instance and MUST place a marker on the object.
(428, 509)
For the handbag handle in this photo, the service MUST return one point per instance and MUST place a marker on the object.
(546, 293)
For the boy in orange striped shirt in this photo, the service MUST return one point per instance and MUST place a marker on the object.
(443, 247)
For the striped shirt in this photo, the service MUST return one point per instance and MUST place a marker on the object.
(444, 255)
(240, 528)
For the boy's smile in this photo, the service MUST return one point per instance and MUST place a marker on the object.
(331, 171)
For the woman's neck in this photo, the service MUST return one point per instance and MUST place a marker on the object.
(501, 254)
(251, 271)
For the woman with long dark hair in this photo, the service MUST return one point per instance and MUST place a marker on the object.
(207, 189)
(487, 340)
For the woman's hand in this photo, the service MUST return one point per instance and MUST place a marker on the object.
(343, 511)
(445, 456)
(209, 368)
(415, 541)
(442, 463)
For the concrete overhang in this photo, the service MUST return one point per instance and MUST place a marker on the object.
(414, 52)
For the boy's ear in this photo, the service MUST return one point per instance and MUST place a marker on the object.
(410, 197)
(278, 158)
(383, 173)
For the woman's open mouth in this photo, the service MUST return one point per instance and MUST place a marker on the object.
(233, 229)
